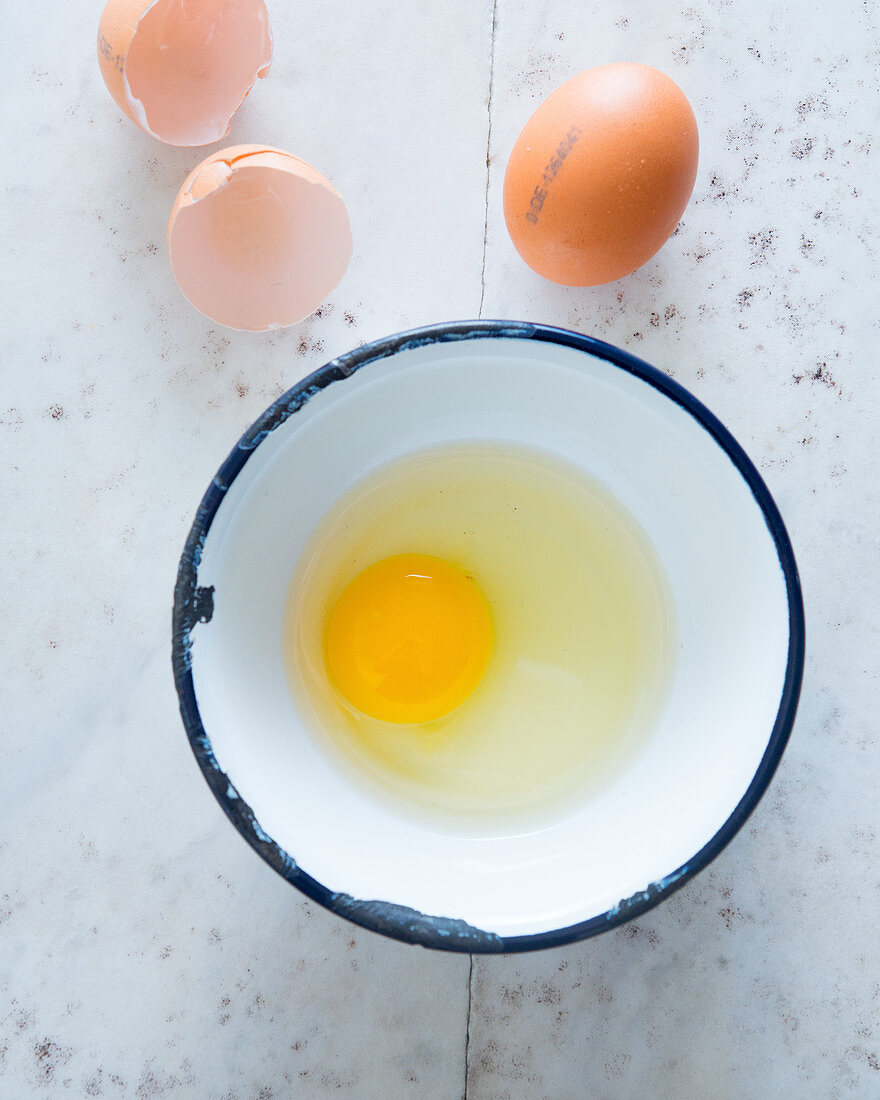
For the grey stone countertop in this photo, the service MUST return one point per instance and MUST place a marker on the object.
(145, 951)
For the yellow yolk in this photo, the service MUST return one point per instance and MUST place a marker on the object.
(409, 639)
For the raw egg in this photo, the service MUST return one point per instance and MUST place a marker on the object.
(409, 639)
(257, 238)
(479, 633)
(601, 174)
(181, 69)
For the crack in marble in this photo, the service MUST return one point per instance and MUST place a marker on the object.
(488, 153)
(467, 1032)
(467, 1035)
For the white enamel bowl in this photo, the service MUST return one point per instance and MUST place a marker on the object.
(734, 586)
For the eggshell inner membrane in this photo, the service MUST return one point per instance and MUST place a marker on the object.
(258, 241)
(192, 62)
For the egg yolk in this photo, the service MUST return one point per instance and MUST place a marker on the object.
(409, 639)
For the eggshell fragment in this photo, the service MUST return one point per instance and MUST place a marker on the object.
(257, 238)
(601, 174)
(181, 69)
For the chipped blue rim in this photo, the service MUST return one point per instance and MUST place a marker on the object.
(194, 605)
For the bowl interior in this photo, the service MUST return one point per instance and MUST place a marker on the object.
(727, 586)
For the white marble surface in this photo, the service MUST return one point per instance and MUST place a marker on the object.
(144, 949)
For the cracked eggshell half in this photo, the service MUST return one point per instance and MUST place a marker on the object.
(181, 69)
(257, 238)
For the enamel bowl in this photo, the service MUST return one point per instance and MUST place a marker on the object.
(733, 583)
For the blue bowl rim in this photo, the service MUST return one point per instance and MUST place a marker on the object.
(193, 605)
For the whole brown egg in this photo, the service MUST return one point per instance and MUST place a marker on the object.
(601, 174)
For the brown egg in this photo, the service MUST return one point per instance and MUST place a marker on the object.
(600, 175)
(179, 69)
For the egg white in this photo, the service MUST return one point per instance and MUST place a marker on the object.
(583, 634)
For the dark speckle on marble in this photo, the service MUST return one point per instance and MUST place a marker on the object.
(634, 930)
(50, 1057)
(538, 77)
(744, 298)
(762, 245)
(802, 148)
(309, 346)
